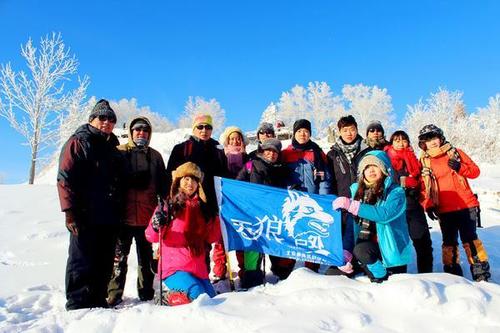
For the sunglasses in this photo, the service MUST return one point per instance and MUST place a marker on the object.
(104, 118)
(141, 129)
(207, 127)
(371, 130)
(266, 132)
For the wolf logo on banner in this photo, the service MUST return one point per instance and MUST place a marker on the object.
(283, 223)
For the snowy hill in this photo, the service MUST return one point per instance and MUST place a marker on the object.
(33, 252)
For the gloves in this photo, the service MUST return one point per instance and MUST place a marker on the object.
(347, 268)
(431, 212)
(454, 164)
(159, 219)
(341, 203)
(352, 206)
(71, 223)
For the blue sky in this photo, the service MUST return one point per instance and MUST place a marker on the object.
(245, 54)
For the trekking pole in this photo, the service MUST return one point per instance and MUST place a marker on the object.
(160, 207)
(264, 266)
(478, 214)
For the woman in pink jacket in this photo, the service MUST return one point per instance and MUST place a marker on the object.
(186, 229)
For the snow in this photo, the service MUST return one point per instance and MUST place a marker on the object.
(33, 253)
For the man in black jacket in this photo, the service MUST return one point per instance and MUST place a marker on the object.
(343, 159)
(89, 185)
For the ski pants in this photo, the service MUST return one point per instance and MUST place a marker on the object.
(189, 284)
(145, 274)
(421, 238)
(89, 266)
(461, 222)
(367, 252)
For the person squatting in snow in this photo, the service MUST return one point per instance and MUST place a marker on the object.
(378, 206)
(185, 230)
(146, 179)
(448, 198)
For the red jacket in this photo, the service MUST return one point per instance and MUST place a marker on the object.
(405, 163)
(454, 189)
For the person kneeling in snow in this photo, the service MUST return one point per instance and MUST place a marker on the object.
(185, 237)
(379, 207)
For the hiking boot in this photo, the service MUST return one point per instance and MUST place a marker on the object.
(480, 271)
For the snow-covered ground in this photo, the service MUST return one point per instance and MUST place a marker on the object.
(33, 252)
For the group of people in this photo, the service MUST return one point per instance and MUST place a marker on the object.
(112, 194)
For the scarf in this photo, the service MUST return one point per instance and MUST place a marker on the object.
(319, 163)
(196, 232)
(234, 156)
(430, 181)
(349, 149)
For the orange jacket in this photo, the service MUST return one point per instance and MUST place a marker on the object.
(454, 189)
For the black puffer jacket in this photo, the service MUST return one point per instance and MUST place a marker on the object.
(262, 172)
(208, 156)
(91, 176)
(344, 173)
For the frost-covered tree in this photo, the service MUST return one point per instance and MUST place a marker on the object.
(318, 104)
(486, 131)
(78, 111)
(33, 101)
(198, 105)
(127, 109)
(367, 103)
(270, 114)
(446, 110)
(293, 105)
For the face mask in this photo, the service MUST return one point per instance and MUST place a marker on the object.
(140, 142)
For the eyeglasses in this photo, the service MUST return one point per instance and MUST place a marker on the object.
(371, 130)
(266, 132)
(207, 127)
(141, 129)
(103, 118)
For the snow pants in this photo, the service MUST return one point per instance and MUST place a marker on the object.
(368, 254)
(89, 266)
(145, 274)
(189, 284)
(463, 222)
(420, 236)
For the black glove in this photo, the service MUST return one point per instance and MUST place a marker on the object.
(431, 212)
(159, 220)
(71, 223)
(454, 164)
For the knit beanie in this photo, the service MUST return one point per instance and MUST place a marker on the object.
(102, 108)
(301, 123)
(271, 143)
(368, 160)
(140, 123)
(224, 138)
(266, 128)
(375, 124)
(202, 119)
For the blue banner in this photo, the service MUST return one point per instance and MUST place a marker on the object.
(289, 224)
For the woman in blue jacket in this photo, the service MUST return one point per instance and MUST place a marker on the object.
(379, 208)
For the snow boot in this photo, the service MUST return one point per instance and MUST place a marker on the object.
(478, 260)
(252, 279)
(451, 260)
(480, 271)
(174, 298)
(376, 272)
